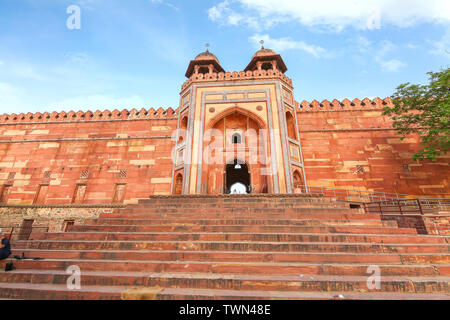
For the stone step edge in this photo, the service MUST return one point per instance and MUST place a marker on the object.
(217, 293)
(244, 242)
(244, 252)
(230, 276)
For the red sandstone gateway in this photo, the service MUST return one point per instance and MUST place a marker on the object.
(249, 117)
(236, 194)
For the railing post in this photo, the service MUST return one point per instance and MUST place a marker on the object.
(400, 207)
(381, 210)
(11, 234)
(420, 206)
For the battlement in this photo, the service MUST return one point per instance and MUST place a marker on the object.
(98, 115)
(344, 105)
(234, 76)
(170, 113)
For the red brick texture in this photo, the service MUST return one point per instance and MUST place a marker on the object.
(105, 157)
(352, 145)
(84, 159)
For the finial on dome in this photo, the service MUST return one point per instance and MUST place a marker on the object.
(207, 47)
(262, 44)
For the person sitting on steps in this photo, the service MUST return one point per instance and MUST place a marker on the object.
(5, 247)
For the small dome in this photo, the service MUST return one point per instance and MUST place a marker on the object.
(264, 52)
(206, 56)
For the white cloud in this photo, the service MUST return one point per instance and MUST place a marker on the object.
(363, 43)
(168, 4)
(14, 100)
(24, 70)
(77, 57)
(331, 14)
(98, 101)
(411, 46)
(442, 46)
(385, 47)
(393, 65)
(11, 98)
(283, 44)
(224, 15)
(378, 52)
(388, 65)
(219, 11)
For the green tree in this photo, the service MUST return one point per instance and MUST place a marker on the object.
(424, 110)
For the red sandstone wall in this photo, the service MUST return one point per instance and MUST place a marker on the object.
(106, 144)
(337, 137)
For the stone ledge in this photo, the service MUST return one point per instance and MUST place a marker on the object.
(62, 206)
(85, 139)
(232, 196)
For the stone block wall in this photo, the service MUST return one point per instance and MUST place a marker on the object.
(438, 224)
(351, 145)
(121, 157)
(48, 216)
(86, 158)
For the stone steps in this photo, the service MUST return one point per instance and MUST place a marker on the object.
(242, 256)
(343, 215)
(60, 292)
(232, 267)
(239, 210)
(226, 247)
(237, 236)
(240, 228)
(302, 283)
(237, 221)
(252, 246)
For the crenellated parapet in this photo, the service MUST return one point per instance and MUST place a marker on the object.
(125, 114)
(344, 105)
(235, 76)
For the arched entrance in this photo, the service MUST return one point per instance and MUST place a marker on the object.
(234, 134)
(237, 178)
(178, 184)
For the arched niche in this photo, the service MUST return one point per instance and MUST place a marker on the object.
(291, 127)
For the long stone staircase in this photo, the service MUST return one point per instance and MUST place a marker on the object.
(233, 247)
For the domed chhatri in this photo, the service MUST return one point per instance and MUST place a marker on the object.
(264, 52)
(206, 56)
(205, 62)
(266, 59)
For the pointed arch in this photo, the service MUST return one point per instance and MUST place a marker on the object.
(291, 127)
(237, 109)
(178, 189)
(298, 178)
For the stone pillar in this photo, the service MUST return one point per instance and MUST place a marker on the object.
(274, 65)
(259, 65)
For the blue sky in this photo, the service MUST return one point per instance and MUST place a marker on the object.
(134, 53)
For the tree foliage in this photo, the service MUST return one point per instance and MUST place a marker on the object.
(424, 110)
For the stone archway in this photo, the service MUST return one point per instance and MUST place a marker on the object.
(237, 135)
(237, 175)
